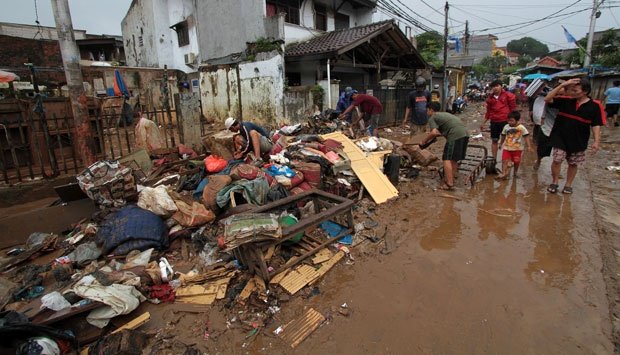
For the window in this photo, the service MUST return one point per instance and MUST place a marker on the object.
(342, 21)
(320, 17)
(289, 7)
(182, 31)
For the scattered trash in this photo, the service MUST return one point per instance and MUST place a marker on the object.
(615, 168)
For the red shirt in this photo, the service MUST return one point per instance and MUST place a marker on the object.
(498, 109)
(368, 104)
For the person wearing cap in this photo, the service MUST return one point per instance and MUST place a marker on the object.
(417, 102)
(368, 105)
(499, 104)
(255, 137)
(344, 101)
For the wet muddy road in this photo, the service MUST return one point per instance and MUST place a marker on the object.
(503, 268)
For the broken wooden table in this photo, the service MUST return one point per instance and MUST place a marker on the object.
(326, 207)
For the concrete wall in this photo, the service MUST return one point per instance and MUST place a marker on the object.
(226, 25)
(262, 87)
(139, 22)
(30, 31)
(298, 105)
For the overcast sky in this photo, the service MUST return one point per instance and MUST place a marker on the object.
(104, 16)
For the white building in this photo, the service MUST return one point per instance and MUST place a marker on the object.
(184, 33)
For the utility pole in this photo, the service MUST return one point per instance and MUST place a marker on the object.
(595, 14)
(445, 58)
(466, 46)
(73, 73)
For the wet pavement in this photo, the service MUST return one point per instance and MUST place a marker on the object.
(500, 268)
(504, 267)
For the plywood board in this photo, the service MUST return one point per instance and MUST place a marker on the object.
(322, 256)
(326, 266)
(200, 299)
(377, 157)
(135, 323)
(299, 329)
(277, 278)
(298, 278)
(378, 185)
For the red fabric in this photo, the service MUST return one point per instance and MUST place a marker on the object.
(183, 149)
(305, 186)
(163, 292)
(498, 109)
(297, 179)
(246, 171)
(277, 148)
(332, 144)
(312, 173)
(215, 164)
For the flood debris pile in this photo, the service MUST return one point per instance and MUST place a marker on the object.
(177, 227)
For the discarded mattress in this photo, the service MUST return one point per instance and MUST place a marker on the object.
(132, 228)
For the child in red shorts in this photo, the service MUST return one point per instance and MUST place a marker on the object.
(511, 143)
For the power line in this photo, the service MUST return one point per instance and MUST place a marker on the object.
(534, 21)
(387, 6)
(415, 13)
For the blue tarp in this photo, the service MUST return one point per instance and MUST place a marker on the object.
(333, 229)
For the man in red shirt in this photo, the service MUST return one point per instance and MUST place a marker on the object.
(369, 106)
(499, 104)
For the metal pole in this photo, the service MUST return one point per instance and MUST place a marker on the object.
(329, 85)
(593, 16)
(73, 73)
(445, 58)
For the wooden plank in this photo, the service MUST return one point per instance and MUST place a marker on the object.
(276, 279)
(298, 278)
(247, 290)
(378, 185)
(322, 256)
(135, 323)
(299, 329)
(270, 252)
(326, 266)
(200, 299)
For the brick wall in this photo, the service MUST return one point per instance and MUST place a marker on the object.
(43, 53)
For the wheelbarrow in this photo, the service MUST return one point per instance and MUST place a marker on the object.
(476, 161)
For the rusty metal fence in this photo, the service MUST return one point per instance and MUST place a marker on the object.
(37, 146)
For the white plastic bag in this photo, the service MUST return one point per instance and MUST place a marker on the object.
(148, 135)
(54, 301)
(157, 201)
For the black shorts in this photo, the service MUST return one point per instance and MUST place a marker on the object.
(612, 109)
(455, 150)
(496, 130)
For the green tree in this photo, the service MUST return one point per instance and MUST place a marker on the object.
(523, 60)
(430, 44)
(605, 51)
(494, 63)
(528, 46)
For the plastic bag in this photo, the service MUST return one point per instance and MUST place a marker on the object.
(284, 170)
(192, 215)
(148, 135)
(54, 301)
(157, 201)
(215, 164)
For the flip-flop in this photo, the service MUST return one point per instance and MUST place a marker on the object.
(567, 190)
(553, 188)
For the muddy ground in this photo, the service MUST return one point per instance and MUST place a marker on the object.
(503, 267)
